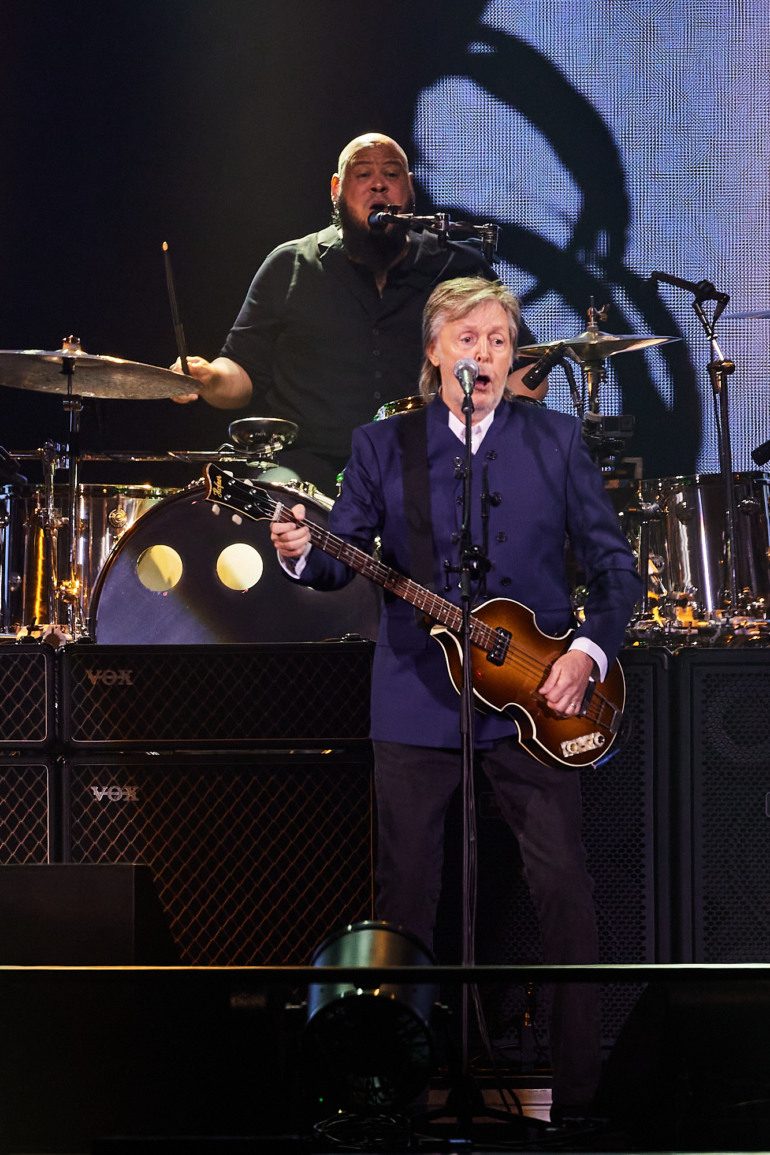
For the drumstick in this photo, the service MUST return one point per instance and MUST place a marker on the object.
(178, 328)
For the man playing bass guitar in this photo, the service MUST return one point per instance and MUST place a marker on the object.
(534, 486)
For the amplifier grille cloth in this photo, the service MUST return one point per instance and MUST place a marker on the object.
(254, 864)
(731, 810)
(165, 695)
(24, 814)
(25, 693)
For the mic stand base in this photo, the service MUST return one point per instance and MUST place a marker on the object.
(465, 1103)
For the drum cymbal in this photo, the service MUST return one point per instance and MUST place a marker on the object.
(266, 435)
(749, 315)
(43, 371)
(593, 345)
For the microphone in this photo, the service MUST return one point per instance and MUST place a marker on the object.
(381, 218)
(702, 291)
(540, 370)
(466, 371)
(761, 455)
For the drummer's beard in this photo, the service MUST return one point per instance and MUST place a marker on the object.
(376, 250)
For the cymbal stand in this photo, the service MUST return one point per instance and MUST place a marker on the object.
(51, 520)
(594, 372)
(69, 591)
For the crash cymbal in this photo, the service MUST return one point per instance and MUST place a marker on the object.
(593, 345)
(47, 371)
(265, 435)
(749, 315)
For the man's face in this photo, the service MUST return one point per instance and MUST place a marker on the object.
(483, 335)
(373, 177)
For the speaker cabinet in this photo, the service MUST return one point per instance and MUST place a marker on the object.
(167, 1060)
(723, 744)
(27, 809)
(690, 1071)
(225, 697)
(56, 915)
(625, 829)
(26, 696)
(255, 857)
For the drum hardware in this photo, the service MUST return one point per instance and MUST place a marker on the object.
(719, 369)
(75, 374)
(402, 405)
(591, 348)
(606, 437)
(262, 437)
(676, 527)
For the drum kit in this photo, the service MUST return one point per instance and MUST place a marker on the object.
(143, 563)
(702, 543)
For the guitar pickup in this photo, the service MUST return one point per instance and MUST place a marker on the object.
(500, 648)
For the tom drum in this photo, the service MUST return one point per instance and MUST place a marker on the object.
(679, 525)
(104, 513)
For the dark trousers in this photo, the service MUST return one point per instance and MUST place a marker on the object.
(542, 806)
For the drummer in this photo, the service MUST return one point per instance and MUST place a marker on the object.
(330, 329)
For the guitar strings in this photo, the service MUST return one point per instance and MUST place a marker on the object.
(516, 657)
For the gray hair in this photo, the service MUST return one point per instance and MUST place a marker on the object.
(451, 301)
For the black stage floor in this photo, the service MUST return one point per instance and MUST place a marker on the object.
(111, 1061)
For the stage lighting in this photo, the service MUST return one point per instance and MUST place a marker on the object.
(370, 1047)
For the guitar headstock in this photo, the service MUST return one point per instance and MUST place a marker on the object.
(237, 493)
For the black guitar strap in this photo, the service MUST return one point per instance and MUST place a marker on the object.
(413, 439)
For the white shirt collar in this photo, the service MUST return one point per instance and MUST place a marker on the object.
(478, 432)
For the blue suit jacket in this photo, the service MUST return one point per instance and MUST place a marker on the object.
(550, 490)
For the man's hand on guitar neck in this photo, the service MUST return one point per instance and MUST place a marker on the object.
(291, 541)
(565, 687)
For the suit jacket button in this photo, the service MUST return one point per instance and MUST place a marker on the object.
(506, 581)
(501, 536)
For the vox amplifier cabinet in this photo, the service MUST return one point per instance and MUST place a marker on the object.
(28, 827)
(215, 696)
(723, 739)
(26, 696)
(255, 857)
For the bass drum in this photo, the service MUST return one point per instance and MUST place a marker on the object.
(192, 572)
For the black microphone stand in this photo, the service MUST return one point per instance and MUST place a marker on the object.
(442, 226)
(719, 369)
(465, 1099)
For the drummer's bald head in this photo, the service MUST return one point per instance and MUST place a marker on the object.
(369, 140)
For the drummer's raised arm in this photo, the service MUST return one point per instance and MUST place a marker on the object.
(224, 383)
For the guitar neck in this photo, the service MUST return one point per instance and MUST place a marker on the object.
(255, 502)
(436, 608)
